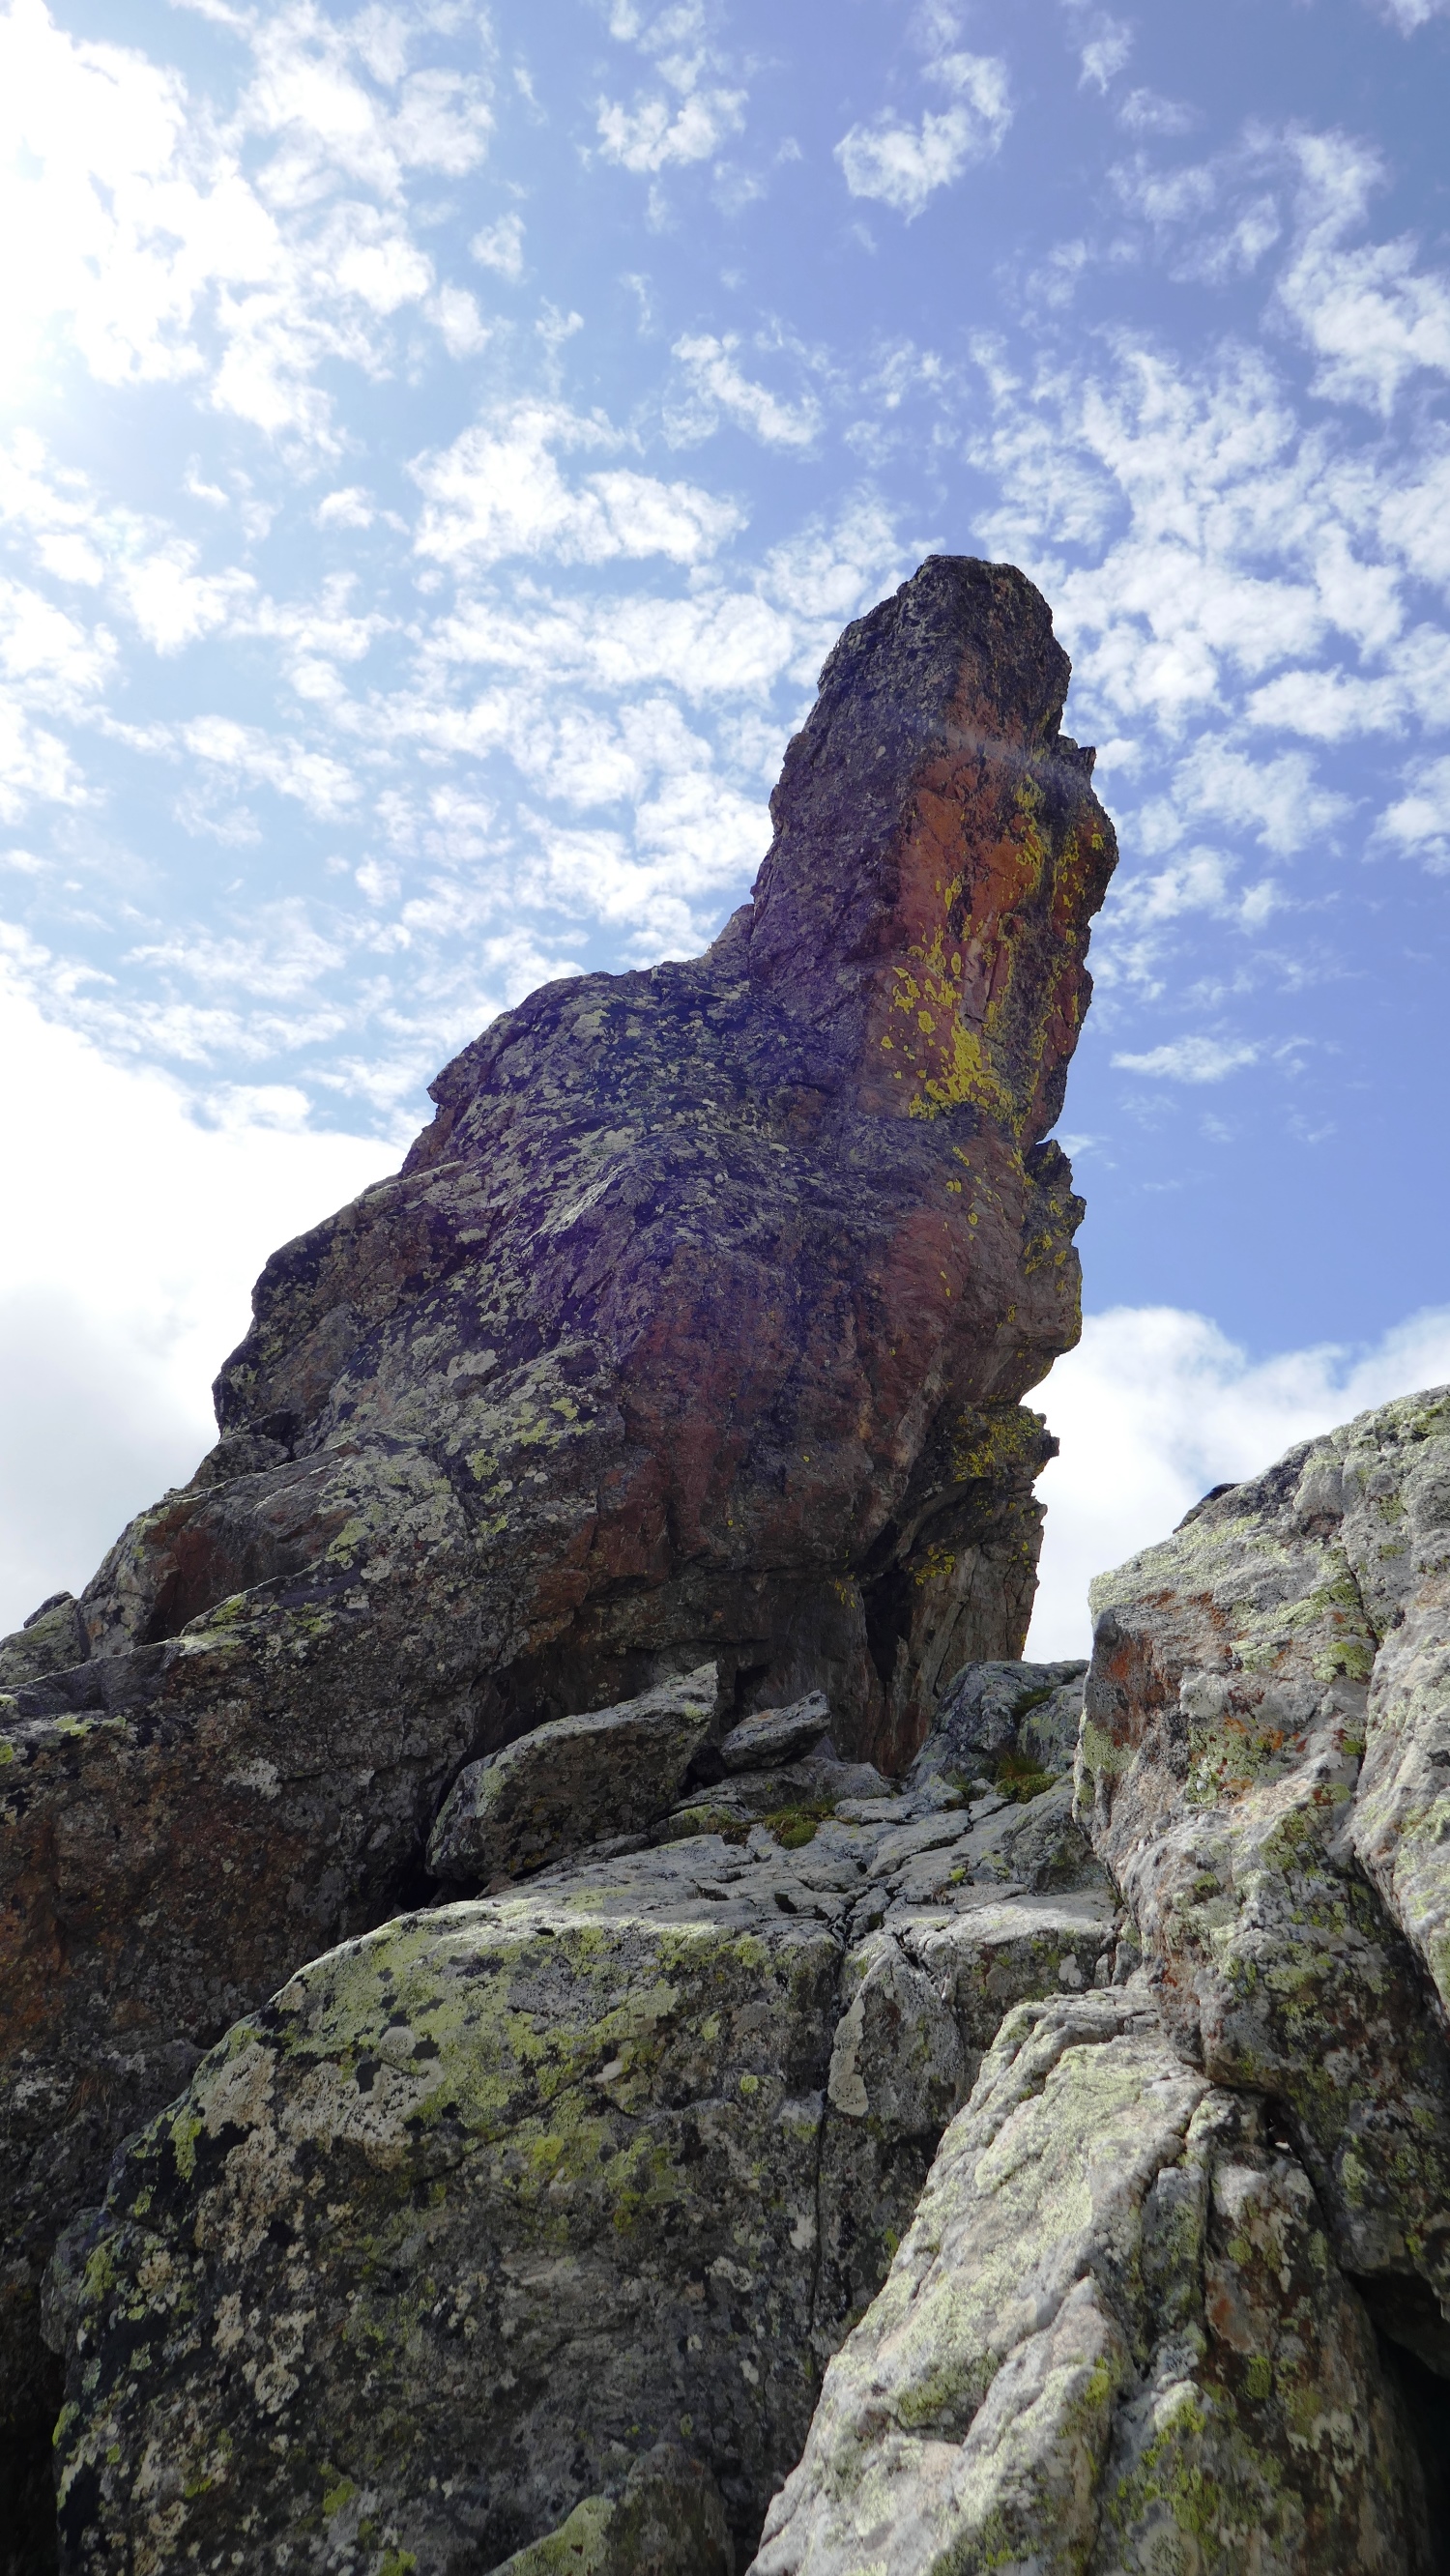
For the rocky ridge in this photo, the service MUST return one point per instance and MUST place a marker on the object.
(1030, 2153)
(487, 2206)
(694, 1330)
(1176, 2293)
(577, 2186)
(1086, 2137)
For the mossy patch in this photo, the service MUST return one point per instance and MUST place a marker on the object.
(1020, 1779)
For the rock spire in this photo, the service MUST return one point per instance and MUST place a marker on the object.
(694, 1329)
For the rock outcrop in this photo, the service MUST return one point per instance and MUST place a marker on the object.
(753, 2065)
(486, 2208)
(694, 1329)
(576, 1780)
(1113, 2341)
(1016, 1724)
(1178, 2290)
(1266, 1772)
(1088, 2138)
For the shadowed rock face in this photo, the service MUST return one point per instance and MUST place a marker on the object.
(694, 1329)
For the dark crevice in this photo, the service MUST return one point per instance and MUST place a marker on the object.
(813, 2298)
(1407, 2314)
(1425, 2406)
(28, 2540)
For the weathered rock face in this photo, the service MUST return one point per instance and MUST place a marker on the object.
(509, 2224)
(1113, 2341)
(488, 2206)
(695, 1327)
(1264, 1769)
(576, 1780)
(1178, 2291)
(668, 2521)
(1011, 1722)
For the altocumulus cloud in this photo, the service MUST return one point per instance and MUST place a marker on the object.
(900, 161)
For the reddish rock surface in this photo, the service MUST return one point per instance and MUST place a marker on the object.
(695, 1327)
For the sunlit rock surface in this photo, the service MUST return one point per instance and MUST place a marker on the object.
(694, 1328)
(1088, 2138)
(1269, 1693)
(1113, 2341)
(490, 2204)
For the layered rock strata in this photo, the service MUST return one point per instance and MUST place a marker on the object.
(694, 1327)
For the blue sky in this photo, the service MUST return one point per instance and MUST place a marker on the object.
(437, 448)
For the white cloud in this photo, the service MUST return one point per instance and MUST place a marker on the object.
(351, 507)
(1103, 43)
(308, 97)
(1207, 554)
(1413, 512)
(172, 603)
(1143, 111)
(46, 655)
(282, 956)
(1371, 313)
(1201, 475)
(1417, 825)
(315, 633)
(498, 491)
(500, 247)
(1334, 705)
(717, 384)
(1197, 881)
(1156, 1405)
(458, 318)
(51, 665)
(313, 778)
(1194, 1059)
(692, 115)
(829, 572)
(35, 768)
(694, 838)
(1135, 940)
(104, 1399)
(901, 165)
(711, 646)
(1213, 220)
(170, 252)
(1374, 317)
(1409, 15)
(695, 835)
(658, 131)
(1279, 800)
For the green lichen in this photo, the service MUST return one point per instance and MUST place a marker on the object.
(580, 2546)
(1100, 1753)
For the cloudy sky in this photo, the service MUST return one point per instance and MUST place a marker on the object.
(438, 446)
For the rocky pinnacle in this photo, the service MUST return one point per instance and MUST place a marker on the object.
(694, 1329)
